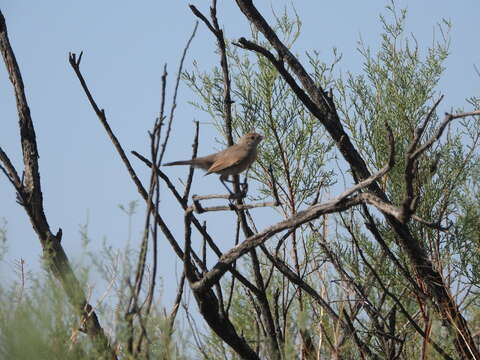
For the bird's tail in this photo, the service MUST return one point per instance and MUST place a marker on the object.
(182, 162)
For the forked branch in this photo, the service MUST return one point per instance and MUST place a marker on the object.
(30, 194)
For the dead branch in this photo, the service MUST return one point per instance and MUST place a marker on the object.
(274, 348)
(176, 303)
(415, 150)
(188, 186)
(209, 306)
(30, 192)
(75, 64)
(174, 100)
(218, 196)
(215, 29)
(199, 209)
(197, 224)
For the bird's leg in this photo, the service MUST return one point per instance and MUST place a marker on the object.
(233, 195)
(244, 185)
(230, 181)
(223, 179)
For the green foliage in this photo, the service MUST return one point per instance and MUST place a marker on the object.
(466, 236)
(398, 86)
(3, 238)
(38, 322)
(334, 255)
(297, 150)
(295, 145)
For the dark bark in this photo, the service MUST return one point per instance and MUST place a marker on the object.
(30, 196)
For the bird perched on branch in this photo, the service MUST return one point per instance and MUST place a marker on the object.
(231, 161)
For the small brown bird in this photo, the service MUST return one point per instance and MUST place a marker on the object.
(231, 161)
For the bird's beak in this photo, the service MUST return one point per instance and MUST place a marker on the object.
(261, 137)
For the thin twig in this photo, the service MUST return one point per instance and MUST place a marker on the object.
(441, 128)
(197, 224)
(188, 186)
(176, 303)
(9, 170)
(215, 29)
(395, 299)
(232, 284)
(274, 185)
(230, 207)
(174, 100)
(295, 279)
(75, 64)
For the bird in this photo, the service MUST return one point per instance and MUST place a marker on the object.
(231, 161)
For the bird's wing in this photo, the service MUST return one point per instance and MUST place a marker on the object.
(229, 158)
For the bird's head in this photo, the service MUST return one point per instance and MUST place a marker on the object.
(251, 139)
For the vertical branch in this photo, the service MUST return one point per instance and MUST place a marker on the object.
(176, 303)
(75, 64)
(232, 284)
(227, 104)
(265, 308)
(209, 306)
(188, 186)
(31, 182)
(227, 100)
(174, 100)
(157, 134)
(153, 201)
(32, 201)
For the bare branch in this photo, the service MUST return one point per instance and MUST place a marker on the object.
(227, 100)
(177, 302)
(192, 169)
(295, 279)
(420, 130)
(10, 172)
(202, 17)
(395, 299)
(174, 100)
(232, 284)
(441, 128)
(365, 183)
(274, 186)
(32, 200)
(230, 207)
(218, 196)
(209, 307)
(432, 224)
(75, 64)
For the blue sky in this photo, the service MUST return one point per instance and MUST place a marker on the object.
(125, 45)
